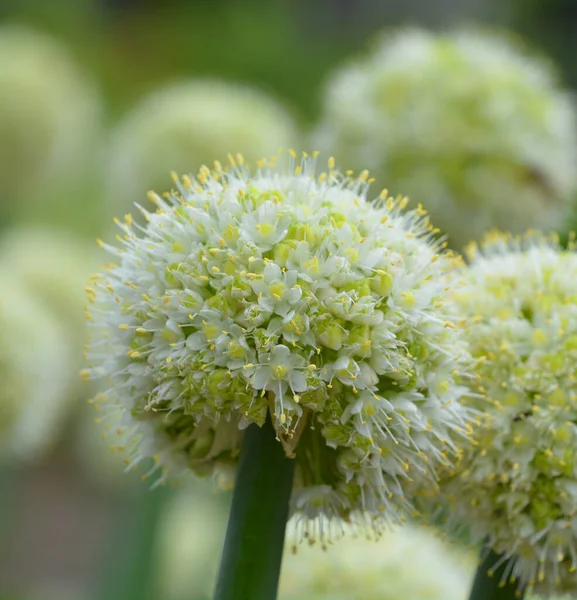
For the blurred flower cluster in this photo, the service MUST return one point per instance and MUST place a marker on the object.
(361, 569)
(470, 124)
(49, 121)
(517, 488)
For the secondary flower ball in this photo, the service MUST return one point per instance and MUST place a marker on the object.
(410, 562)
(279, 292)
(468, 122)
(52, 265)
(48, 111)
(35, 369)
(186, 125)
(517, 487)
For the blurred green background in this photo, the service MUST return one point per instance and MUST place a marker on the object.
(72, 525)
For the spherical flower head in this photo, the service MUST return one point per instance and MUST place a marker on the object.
(48, 111)
(409, 562)
(53, 265)
(469, 123)
(516, 487)
(278, 292)
(189, 124)
(35, 369)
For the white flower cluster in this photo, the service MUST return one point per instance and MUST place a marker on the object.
(35, 370)
(467, 122)
(280, 292)
(516, 487)
(410, 563)
(48, 111)
(52, 265)
(185, 125)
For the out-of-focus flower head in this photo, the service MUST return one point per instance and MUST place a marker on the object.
(409, 562)
(469, 123)
(279, 292)
(48, 113)
(516, 488)
(186, 125)
(53, 265)
(35, 370)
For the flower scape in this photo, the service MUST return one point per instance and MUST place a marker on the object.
(283, 292)
(516, 488)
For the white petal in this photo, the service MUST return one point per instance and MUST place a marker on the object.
(298, 382)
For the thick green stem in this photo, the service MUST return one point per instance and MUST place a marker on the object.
(489, 583)
(252, 555)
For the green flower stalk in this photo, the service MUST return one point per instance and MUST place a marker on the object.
(280, 299)
(516, 488)
(471, 123)
(185, 125)
(48, 114)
